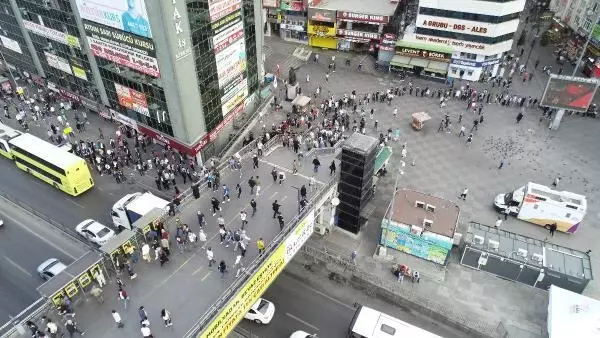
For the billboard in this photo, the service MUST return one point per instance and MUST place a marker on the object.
(221, 8)
(132, 99)
(571, 93)
(231, 60)
(57, 62)
(323, 15)
(11, 44)
(127, 15)
(52, 34)
(256, 285)
(122, 48)
(368, 18)
(226, 21)
(228, 36)
(235, 100)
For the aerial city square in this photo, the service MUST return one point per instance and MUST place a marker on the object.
(299, 168)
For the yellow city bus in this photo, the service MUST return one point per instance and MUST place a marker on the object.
(49, 163)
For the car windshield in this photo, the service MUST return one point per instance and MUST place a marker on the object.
(49, 266)
(87, 225)
(263, 306)
(508, 198)
(103, 232)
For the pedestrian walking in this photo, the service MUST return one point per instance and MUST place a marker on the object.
(556, 182)
(72, 328)
(146, 332)
(201, 220)
(275, 208)
(142, 313)
(255, 161)
(253, 205)
(281, 222)
(316, 164)
(243, 217)
(117, 318)
(202, 237)
(552, 228)
(519, 117)
(222, 268)
(260, 245)
(332, 168)
(238, 265)
(251, 184)
(257, 183)
(166, 316)
(238, 188)
(281, 177)
(353, 256)
(462, 131)
(274, 174)
(469, 139)
(498, 222)
(210, 255)
(303, 192)
(226, 193)
(123, 297)
(215, 205)
(501, 164)
(463, 196)
(295, 167)
(51, 328)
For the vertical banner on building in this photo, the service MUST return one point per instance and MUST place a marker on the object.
(10, 44)
(178, 30)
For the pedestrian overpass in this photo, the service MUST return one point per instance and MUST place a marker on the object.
(224, 315)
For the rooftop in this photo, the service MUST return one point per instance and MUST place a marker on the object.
(359, 143)
(530, 251)
(373, 7)
(414, 207)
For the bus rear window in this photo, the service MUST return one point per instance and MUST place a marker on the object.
(388, 329)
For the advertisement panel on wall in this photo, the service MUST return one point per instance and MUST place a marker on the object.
(132, 99)
(228, 36)
(459, 26)
(221, 8)
(426, 54)
(234, 101)
(256, 285)
(57, 62)
(571, 93)
(127, 15)
(323, 15)
(122, 48)
(52, 34)
(231, 60)
(466, 46)
(79, 72)
(11, 44)
(226, 21)
(367, 18)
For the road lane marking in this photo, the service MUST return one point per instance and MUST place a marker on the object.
(205, 276)
(77, 204)
(40, 236)
(20, 268)
(197, 270)
(274, 194)
(302, 321)
(320, 293)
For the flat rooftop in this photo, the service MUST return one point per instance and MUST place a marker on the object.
(374, 7)
(557, 258)
(412, 207)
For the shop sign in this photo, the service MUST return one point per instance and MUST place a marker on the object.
(52, 34)
(426, 54)
(451, 42)
(292, 5)
(387, 48)
(463, 26)
(220, 8)
(471, 63)
(132, 99)
(358, 34)
(79, 72)
(88, 104)
(11, 44)
(350, 16)
(69, 95)
(57, 62)
(124, 56)
(292, 27)
(269, 3)
(323, 15)
(225, 22)
(119, 38)
(228, 37)
(181, 42)
(389, 39)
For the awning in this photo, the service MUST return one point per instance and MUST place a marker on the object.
(419, 62)
(438, 66)
(400, 61)
(424, 46)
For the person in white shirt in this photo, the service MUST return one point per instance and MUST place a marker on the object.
(146, 331)
(146, 252)
(52, 328)
(117, 317)
(498, 222)
(211, 256)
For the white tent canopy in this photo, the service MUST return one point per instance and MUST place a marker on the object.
(572, 315)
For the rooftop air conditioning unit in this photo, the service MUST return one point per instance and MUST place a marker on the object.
(522, 253)
(419, 204)
(427, 223)
(415, 230)
(493, 245)
(537, 257)
(430, 208)
(478, 239)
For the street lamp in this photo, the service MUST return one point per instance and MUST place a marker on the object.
(383, 249)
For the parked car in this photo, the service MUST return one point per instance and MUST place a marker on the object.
(302, 334)
(94, 231)
(261, 312)
(50, 268)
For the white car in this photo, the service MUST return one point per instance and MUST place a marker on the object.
(94, 232)
(261, 312)
(302, 334)
(50, 268)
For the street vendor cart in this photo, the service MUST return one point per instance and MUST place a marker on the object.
(301, 104)
(418, 120)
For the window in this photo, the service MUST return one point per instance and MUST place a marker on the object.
(568, 215)
(430, 208)
(587, 24)
(38, 170)
(388, 329)
(468, 16)
(469, 73)
(420, 204)
(539, 198)
(468, 56)
(40, 160)
(465, 37)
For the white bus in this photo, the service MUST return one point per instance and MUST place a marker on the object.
(370, 323)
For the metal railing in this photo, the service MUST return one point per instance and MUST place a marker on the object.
(32, 312)
(232, 290)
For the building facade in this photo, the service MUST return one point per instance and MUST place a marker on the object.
(178, 71)
(479, 32)
(579, 15)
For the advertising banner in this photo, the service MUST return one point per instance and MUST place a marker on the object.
(359, 34)
(256, 285)
(126, 120)
(426, 54)
(228, 36)
(79, 72)
(225, 22)
(11, 44)
(374, 19)
(234, 72)
(459, 26)
(231, 62)
(124, 56)
(323, 15)
(269, 3)
(132, 99)
(221, 8)
(140, 45)
(57, 62)
(569, 93)
(127, 15)
(233, 102)
(70, 96)
(52, 34)
(233, 88)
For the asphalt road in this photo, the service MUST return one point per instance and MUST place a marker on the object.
(301, 307)
(25, 242)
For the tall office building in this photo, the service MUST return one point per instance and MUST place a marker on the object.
(176, 70)
(460, 38)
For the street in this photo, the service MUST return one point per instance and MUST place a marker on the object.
(316, 309)
(25, 242)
